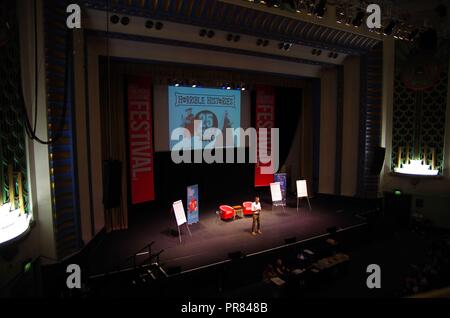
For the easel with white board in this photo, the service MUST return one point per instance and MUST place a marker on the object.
(180, 216)
(277, 196)
(302, 192)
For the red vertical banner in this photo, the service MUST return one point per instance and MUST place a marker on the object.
(140, 139)
(265, 118)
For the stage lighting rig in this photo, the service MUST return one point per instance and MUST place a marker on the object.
(262, 42)
(149, 24)
(390, 27)
(358, 20)
(125, 21)
(284, 46)
(114, 19)
(273, 3)
(413, 34)
(333, 55)
(320, 8)
(316, 52)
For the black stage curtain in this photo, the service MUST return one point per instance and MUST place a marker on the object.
(288, 106)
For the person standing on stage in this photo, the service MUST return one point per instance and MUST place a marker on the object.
(256, 209)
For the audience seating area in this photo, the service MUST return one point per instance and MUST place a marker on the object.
(433, 272)
(305, 268)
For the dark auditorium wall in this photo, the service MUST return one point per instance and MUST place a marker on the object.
(350, 125)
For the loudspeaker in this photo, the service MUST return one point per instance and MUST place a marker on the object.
(377, 161)
(112, 183)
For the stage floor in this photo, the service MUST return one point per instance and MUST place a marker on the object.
(213, 239)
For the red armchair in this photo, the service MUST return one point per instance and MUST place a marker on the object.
(226, 212)
(247, 208)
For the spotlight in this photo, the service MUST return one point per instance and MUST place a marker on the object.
(229, 37)
(194, 84)
(284, 46)
(320, 8)
(159, 25)
(236, 38)
(228, 86)
(240, 87)
(357, 21)
(287, 46)
(202, 32)
(390, 27)
(114, 19)
(289, 5)
(125, 20)
(211, 33)
(273, 3)
(149, 24)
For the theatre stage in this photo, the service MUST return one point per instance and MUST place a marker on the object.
(213, 239)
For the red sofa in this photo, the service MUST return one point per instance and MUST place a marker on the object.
(226, 212)
(247, 208)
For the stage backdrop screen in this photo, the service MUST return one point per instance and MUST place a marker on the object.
(215, 108)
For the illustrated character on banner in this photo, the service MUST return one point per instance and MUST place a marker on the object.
(192, 207)
(187, 120)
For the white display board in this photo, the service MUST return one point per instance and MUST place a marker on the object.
(275, 190)
(302, 190)
(180, 215)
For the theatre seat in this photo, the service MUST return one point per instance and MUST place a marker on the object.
(226, 212)
(247, 208)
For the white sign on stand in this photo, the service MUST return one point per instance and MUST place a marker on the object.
(180, 216)
(275, 190)
(302, 192)
(277, 196)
